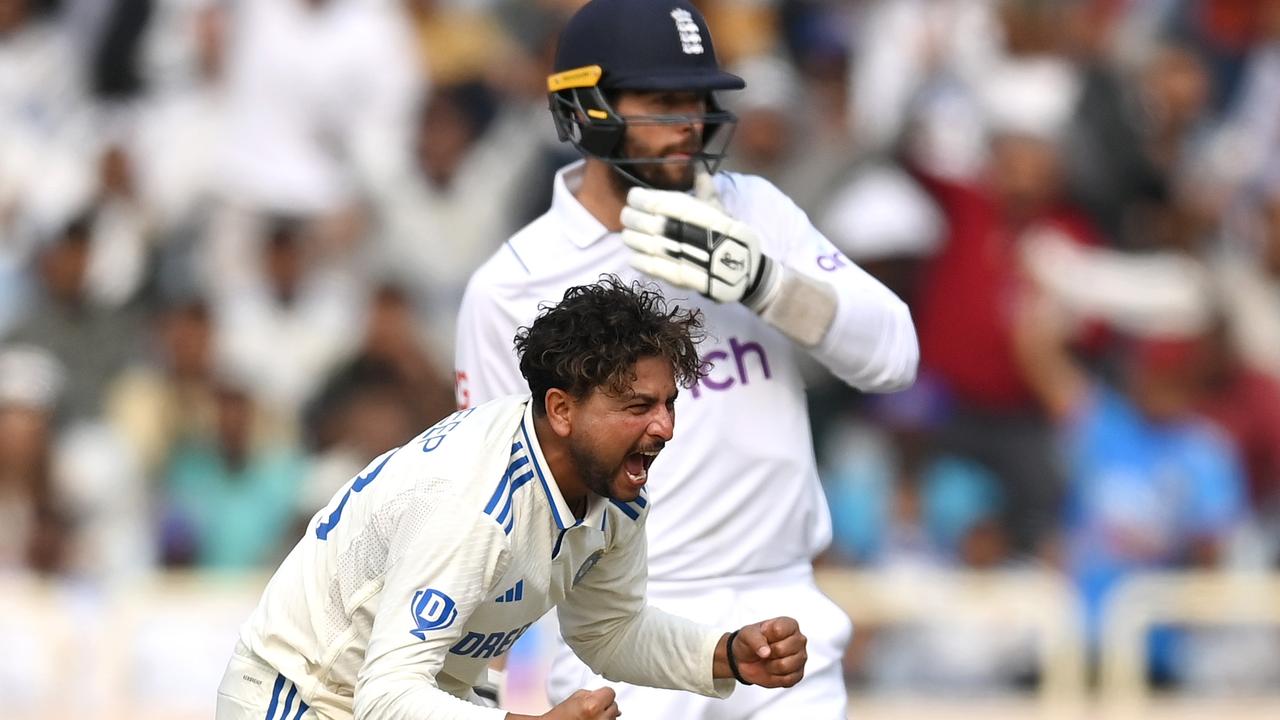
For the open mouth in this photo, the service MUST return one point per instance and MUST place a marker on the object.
(637, 465)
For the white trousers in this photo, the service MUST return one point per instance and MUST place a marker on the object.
(730, 603)
(252, 690)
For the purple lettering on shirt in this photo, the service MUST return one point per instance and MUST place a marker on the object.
(721, 375)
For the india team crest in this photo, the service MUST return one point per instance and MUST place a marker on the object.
(586, 566)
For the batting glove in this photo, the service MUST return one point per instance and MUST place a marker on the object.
(690, 242)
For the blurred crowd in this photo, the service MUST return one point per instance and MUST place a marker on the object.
(234, 234)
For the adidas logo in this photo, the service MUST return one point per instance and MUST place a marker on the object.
(512, 595)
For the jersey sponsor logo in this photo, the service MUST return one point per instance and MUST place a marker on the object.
(436, 434)
(749, 361)
(491, 645)
(587, 564)
(432, 610)
(832, 261)
(690, 37)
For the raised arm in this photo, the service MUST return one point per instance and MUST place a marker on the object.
(775, 262)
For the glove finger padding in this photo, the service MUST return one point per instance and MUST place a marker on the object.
(718, 255)
(645, 222)
(672, 271)
(678, 205)
(659, 246)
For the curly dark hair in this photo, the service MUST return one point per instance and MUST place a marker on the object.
(594, 336)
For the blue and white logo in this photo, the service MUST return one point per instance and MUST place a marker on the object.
(432, 610)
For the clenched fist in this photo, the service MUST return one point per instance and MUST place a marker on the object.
(769, 654)
(586, 705)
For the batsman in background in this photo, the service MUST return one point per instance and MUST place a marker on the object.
(738, 512)
(437, 557)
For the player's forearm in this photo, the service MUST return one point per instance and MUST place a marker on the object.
(411, 698)
(800, 307)
(655, 649)
(872, 342)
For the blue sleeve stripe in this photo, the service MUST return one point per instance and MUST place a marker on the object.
(502, 484)
(302, 709)
(626, 509)
(640, 500)
(520, 481)
(364, 480)
(517, 464)
(275, 697)
(515, 485)
(506, 508)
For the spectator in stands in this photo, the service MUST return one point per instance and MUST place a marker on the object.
(320, 99)
(453, 202)
(92, 342)
(970, 288)
(1245, 403)
(291, 322)
(228, 501)
(121, 231)
(181, 128)
(35, 533)
(375, 401)
(1152, 485)
(169, 397)
(1247, 268)
(44, 118)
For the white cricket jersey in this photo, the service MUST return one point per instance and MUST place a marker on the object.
(737, 490)
(439, 555)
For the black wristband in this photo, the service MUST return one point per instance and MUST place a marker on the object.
(733, 663)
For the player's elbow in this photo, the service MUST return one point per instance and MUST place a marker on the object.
(384, 697)
(597, 651)
(903, 372)
(374, 701)
(898, 361)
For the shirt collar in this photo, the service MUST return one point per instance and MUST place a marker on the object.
(579, 225)
(560, 512)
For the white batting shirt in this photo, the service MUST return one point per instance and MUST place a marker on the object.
(439, 555)
(737, 491)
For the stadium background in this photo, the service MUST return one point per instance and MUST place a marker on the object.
(233, 236)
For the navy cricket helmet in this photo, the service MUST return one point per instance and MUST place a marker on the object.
(654, 45)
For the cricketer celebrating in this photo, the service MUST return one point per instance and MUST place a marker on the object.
(738, 512)
(442, 552)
